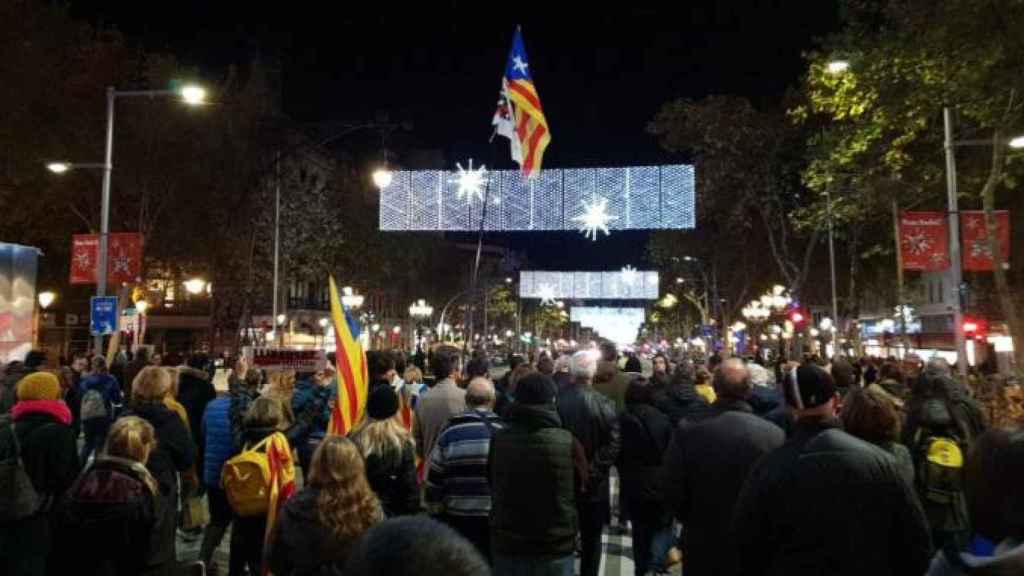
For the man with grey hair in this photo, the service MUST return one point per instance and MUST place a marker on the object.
(593, 420)
(457, 488)
(706, 465)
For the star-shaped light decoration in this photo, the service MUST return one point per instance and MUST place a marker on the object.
(546, 292)
(628, 275)
(471, 182)
(595, 218)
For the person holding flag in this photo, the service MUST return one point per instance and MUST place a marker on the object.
(519, 116)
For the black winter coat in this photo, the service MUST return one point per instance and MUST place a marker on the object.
(592, 419)
(646, 433)
(174, 453)
(195, 391)
(301, 545)
(681, 402)
(826, 503)
(704, 471)
(392, 476)
(50, 455)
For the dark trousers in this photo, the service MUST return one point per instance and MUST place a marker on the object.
(95, 436)
(247, 546)
(648, 519)
(592, 517)
(220, 519)
(476, 529)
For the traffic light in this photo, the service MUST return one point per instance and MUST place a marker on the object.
(975, 328)
(797, 318)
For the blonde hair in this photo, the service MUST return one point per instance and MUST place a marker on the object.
(413, 375)
(380, 436)
(131, 438)
(266, 413)
(346, 505)
(151, 384)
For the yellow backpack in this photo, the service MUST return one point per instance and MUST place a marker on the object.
(246, 480)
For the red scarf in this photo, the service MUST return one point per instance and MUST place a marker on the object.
(54, 408)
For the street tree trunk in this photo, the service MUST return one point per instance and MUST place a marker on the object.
(988, 200)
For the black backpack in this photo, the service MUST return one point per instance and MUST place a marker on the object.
(18, 497)
(939, 447)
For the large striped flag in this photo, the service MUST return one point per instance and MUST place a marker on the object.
(519, 116)
(353, 382)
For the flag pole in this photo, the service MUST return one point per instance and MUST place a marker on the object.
(475, 279)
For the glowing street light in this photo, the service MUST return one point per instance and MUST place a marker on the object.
(837, 66)
(195, 285)
(46, 298)
(1017, 143)
(141, 306)
(281, 319)
(58, 167)
(193, 95)
(324, 322)
(420, 309)
(351, 300)
(382, 178)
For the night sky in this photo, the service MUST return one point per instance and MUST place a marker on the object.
(602, 73)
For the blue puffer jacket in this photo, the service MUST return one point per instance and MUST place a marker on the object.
(107, 386)
(221, 434)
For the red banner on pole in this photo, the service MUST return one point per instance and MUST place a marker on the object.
(124, 257)
(977, 256)
(924, 241)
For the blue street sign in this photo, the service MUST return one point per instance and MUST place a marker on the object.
(102, 315)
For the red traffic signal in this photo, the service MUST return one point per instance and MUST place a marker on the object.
(975, 328)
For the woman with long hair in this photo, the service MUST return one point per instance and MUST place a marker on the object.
(112, 510)
(319, 526)
(389, 453)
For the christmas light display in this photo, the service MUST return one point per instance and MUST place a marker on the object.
(620, 285)
(591, 199)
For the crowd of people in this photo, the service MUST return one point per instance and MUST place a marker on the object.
(726, 465)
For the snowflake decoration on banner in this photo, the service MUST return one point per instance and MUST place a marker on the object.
(121, 264)
(628, 275)
(83, 260)
(470, 182)
(546, 293)
(918, 243)
(595, 218)
(979, 249)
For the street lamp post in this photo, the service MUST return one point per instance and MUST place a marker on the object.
(190, 94)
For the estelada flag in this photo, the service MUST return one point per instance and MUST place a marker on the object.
(282, 483)
(924, 241)
(350, 404)
(976, 254)
(519, 116)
